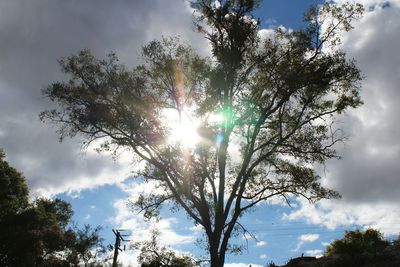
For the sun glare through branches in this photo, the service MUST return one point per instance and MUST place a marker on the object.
(186, 129)
(182, 128)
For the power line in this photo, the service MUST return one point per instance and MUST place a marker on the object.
(273, 232)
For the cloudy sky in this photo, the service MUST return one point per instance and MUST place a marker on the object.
(34, 34)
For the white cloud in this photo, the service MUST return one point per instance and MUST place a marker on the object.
(369, 169)
(126, 219)
(332, 214)
(247, 236)
(134, 188)
(128, 258)
(315, 253)
(372, 3)
(25, 28)
(367, 176)
(309, 238)
(141, 231)
(325, 244)
(261, 244)
(306, 238)
(196, 229)
(266, 34)
(263, 256)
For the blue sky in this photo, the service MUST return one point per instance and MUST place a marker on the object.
(34, 34)
(288, 13)
(277, 239)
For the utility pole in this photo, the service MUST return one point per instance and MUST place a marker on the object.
(118, 238)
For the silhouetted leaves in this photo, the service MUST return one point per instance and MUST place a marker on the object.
(152, 255)
(38, 233)
(277, 97)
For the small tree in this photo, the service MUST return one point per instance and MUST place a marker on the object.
(359, 244)
(264, 111)
(152, 255)
(87, 246)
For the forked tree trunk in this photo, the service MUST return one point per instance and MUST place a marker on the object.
(216, 260)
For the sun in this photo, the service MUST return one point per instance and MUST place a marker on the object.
(185, 129)
(182, 129)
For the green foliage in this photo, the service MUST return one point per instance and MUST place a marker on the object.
(358, 244)
(278, 98)
(356, 249)
(86, 247)
(152, 255)
(37, 234)
(13, 188)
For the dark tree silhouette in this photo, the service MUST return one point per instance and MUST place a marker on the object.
(276, 100)
(359, 244)
(154, 255)
(13, 189)
(37, 234)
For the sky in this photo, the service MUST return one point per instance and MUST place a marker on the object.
(34, 34)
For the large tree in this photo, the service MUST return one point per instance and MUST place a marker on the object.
(263, 107)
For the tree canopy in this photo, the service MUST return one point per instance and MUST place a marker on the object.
(13, 188)
(154, 255)
(38, 233)
(362, 248)
(264, 110)
(358, 244)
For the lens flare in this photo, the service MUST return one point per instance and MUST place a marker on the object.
(182, 129)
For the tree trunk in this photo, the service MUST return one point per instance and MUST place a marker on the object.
(215, 258)
(216, 261)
